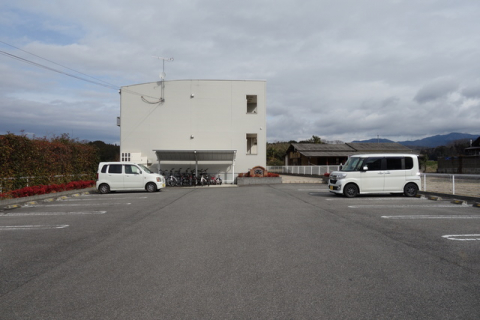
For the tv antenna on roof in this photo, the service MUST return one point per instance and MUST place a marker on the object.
(163, 75)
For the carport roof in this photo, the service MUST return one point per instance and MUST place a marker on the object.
(195, 155)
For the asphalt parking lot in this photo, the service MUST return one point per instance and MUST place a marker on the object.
(284, 251)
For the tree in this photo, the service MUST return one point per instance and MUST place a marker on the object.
(314, 139)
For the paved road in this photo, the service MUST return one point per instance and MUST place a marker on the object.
(284, 251)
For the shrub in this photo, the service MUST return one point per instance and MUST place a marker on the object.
(38, 190)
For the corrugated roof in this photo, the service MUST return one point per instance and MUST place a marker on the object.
(384, 147)
(195, 155)
(327, 153)
(347, 149)
(321, 147)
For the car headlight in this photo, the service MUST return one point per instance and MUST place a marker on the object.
(340, 176)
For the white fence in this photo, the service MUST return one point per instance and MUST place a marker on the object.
(456, 184)
(303, 170)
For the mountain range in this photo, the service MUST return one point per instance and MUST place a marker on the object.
(430, 142)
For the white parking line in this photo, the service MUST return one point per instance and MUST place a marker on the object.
(76, 205)
(102, 198)
(415, 217)
(375, 199)
(463, 237)
(33, 227)
(19, 214)
(410, 206)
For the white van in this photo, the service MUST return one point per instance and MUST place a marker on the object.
(377, 173)
(113, 176)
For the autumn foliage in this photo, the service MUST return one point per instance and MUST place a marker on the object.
(53, 188)
(41, 163)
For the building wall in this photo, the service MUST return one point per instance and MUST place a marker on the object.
(460, 164)
(195, 115)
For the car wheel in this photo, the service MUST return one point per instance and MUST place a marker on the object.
(104, 188)
(151, 187)
(410, 190)
(350, 191)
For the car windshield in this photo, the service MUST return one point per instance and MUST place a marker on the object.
(145, 168)
(353, 164)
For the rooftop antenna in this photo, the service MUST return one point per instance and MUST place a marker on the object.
(163, 75)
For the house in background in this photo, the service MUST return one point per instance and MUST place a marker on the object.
(196, 124)
(308, 154)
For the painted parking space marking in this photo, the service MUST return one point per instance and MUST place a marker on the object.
(21, 214)
(77, 205)
(463, 237)
(34, 227)
(410, 206)
(424, 216)
(376, 199)
(102, 198)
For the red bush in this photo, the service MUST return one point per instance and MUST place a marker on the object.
(37, 190)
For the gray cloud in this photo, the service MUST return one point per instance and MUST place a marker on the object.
(435, 90)
(343, 70)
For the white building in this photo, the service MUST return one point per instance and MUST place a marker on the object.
(214, 124)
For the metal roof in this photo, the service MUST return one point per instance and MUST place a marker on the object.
(347, 149)
(195, 155)
(322, 147)
(327, 153)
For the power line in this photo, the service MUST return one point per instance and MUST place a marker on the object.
(57, 63)
(55, 70)
(98, 82)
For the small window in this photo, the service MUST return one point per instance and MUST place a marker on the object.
(104, 168)
(252, 143)
(373, 164)
(115, 168)
(126, 157)
(394, 163)
(408, 163)
(252, 104)
(131, 169)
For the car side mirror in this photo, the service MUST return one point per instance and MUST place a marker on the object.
(365, 168)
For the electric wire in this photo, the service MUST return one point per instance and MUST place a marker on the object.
(98, 82)
(58, 64)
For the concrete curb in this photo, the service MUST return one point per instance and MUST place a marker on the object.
(18, 202)
(456, 199)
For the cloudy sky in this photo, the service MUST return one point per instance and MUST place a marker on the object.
(338, 69)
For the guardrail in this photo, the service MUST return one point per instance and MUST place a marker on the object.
(303, 170)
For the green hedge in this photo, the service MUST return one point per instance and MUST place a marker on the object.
(41, 161)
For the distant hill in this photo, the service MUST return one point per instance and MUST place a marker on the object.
(430, 142)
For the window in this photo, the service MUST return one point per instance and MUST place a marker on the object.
(252, 104)
(126, 157)
(104, 168)
(131, 169)
(252, 143)
(408, 163)
(373, 163)
(115, 168)
(394, 163)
